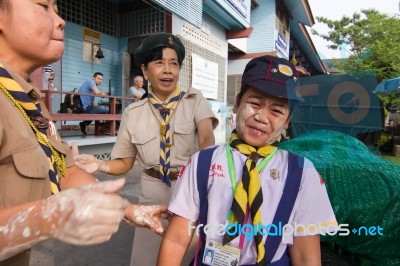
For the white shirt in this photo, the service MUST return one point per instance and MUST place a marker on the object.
(135, 91)
(312, 205)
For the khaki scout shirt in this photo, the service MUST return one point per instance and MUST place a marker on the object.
(24, 166)
(139, 133)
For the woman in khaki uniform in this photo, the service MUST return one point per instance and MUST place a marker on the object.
(34, 162)
(161, 132)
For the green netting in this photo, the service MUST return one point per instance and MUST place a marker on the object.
(364, 190)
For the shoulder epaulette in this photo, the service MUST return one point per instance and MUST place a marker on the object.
(137, 104)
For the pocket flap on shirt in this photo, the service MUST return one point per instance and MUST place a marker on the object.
(31, 162)
(185, 128)
(143, 138)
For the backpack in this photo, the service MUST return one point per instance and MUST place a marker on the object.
(282, 214)
(72, 104)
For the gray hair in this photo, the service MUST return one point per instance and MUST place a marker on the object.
(136, 78)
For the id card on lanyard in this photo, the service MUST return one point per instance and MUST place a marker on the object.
(215, 253)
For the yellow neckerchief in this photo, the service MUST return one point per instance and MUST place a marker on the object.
(248, 190)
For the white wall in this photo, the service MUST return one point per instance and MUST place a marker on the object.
(216, 34)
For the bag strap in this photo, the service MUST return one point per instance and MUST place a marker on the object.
(203, 166)
(203, 169)
(286, 203)
(285, 206)
(73, 96)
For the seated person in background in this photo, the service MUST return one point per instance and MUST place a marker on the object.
(88, 104)
(394, 120)
(394, 117)
(50, 84)
(48, 78)
(136, 91)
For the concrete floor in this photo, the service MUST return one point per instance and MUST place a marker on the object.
(117, 251)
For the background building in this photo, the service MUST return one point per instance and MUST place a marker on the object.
(220, 37)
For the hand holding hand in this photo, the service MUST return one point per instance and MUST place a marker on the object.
(91, 164)
(88, 162)
(85, 215)
(148, 217)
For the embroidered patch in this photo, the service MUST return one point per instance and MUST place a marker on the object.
(216, 171)
(321, 181)
(286, 70)
(184, 167)
(274, 173)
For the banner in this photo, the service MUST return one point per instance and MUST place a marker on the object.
(339, 102)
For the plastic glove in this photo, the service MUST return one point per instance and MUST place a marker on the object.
(85, 215)
(88, 162)
(91, 164)
(148, 217)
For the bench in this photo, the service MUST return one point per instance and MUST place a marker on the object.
(112, 117)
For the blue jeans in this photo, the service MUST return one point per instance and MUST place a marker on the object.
(95, 109)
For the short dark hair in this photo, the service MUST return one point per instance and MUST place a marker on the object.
(157, 54)
(4, 3)
(97, 74)
(240, 94)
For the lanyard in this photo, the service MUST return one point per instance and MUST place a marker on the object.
(232, 172)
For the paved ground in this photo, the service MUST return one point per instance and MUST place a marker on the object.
(115, 252)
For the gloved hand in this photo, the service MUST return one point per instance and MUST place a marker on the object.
(85, 215)
(148, 217)
(88, 162)
(91, 164)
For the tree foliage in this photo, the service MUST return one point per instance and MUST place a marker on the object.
(371, 38)
(390, 99)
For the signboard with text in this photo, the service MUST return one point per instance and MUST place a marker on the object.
(241, 6)
(281, 46)
(205, 76)
(91, 35)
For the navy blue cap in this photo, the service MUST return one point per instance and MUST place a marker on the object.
(272, 75)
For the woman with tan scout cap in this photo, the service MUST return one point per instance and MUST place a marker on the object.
(161, 132)
(35, 165)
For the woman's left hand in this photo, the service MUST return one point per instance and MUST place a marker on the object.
(147, 217)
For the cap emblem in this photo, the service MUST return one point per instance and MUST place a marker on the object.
(170, 40)
(286, 70)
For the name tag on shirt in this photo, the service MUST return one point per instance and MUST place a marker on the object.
(218, 255)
